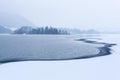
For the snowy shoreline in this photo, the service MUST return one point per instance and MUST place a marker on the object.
(105, 50)
(96, 68)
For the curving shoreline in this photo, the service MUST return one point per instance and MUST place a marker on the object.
(105, 50)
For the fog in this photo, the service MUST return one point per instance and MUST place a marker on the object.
(84, 14)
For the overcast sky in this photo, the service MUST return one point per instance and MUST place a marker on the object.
(85, 14)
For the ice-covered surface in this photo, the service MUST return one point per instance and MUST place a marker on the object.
(100, 68)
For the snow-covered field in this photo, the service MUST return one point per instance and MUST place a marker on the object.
(99, 68)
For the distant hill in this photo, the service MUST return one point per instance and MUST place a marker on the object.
(39, 30)
(13, 20)
(4, 30)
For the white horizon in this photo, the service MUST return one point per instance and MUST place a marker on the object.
(102, 15)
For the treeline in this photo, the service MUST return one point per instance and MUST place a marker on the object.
(40, 30)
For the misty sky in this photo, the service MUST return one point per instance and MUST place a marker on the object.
(84, 14)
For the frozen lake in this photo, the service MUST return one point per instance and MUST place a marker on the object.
(46, 47)
(100, 68)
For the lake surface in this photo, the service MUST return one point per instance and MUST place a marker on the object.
(46, 47)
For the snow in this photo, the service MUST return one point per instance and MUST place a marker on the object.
(100, 68)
